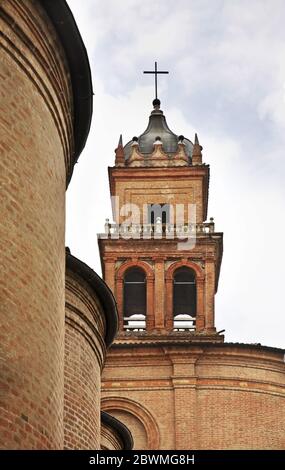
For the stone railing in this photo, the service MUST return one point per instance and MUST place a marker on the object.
(157, 230)
(184, 322)
(135, 323)
(181, 322)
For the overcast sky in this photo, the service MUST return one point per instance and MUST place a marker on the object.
(226, 60)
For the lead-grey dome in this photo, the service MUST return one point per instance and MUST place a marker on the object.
(157, 127)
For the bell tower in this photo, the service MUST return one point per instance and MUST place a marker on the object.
(169, 375)
(161, 257)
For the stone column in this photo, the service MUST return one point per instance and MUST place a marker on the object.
(169, 304)
(210, 295)
(109, 277)
(185, 400)
(120, 302)
(159, 293)
(200, 317)
(150, 319)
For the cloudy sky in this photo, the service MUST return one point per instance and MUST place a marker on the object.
(226, 60)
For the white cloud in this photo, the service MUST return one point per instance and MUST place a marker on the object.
(273, 107)
(226, 82)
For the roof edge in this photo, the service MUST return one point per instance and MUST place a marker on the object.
(121, 428)
(101, 290)
(65, 25)
(195, 344)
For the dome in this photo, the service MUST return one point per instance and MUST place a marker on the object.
(157, 127)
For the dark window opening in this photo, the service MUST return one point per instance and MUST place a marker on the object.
(184, 299)
(158, 210)
(134, 299)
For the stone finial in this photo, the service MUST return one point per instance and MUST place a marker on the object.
(181, 158)
(212, 225)
(157, 141)
(197, 152)
(156, 104)
(120, 158)
(158, 225)
(107, 226)
(135, 141)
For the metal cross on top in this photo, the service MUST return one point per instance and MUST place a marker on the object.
(156, 72)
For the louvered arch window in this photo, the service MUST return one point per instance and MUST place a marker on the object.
(134, 292)
(184, 292)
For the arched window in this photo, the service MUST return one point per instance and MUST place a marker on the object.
(134, 299)
(184, 298)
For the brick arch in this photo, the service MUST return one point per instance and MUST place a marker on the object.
(200, 286)
(149, 290)
(188, 264)
(138, 411)
(135, 264)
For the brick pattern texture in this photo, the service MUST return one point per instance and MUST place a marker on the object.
(83, 361)
(35, 143)
(197, 396)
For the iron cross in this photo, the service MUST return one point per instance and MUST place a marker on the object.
(156, 72)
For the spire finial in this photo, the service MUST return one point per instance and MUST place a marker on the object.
(197, 152)
(156, 103)
(156, 72)
(120, 158)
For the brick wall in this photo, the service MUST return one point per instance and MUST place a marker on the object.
(159, 259)
(220, 396)
(84, 354)
(179, 185)
(36, 144)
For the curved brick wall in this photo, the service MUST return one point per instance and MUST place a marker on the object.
(37, 156)
(223, 396)
(90, 324)
(241, 399)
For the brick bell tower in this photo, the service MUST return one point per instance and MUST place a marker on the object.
(161, 257)
(169, 376)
